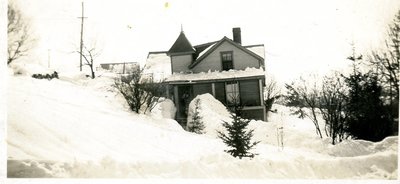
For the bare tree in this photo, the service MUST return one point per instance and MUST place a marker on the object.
(20, 39)
(331, 105)
(89, 54)
(139, 93)
(305, 95)
(271, 93)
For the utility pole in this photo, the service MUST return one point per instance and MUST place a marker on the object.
(123, 69)
(81, 42)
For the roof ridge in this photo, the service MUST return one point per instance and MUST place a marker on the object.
(255, 45)
(216, 44)
(157, 52)
(204, 44)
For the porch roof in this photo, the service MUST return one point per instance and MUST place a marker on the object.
(216, 75)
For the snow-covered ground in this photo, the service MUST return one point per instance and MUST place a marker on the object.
(78, 127)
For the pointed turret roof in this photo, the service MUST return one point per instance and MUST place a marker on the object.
(181, 45)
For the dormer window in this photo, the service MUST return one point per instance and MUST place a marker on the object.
(227, 60)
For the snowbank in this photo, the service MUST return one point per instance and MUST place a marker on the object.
(164, 109)
(212, 112)
(28, 69)
(84, 129)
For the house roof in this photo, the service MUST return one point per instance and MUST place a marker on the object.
(216, 75)
(257, 49)
(200, 48)
(158, 65)
(215, 45)
(181, 44)
(158, 61)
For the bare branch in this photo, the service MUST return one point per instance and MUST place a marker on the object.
(20, 39)
(89, 55)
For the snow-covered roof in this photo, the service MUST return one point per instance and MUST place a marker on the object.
(206, 50)
(257, 49)
(212, 47)
(216, 75)
(158, 64)
(157, 61)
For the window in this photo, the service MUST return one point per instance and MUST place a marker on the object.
(220, 92)
(232, 93)
(227, 60)
(250, 93)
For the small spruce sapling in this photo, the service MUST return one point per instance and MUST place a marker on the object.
(237, 138)
(196, 124)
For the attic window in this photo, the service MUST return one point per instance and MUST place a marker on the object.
(227, 60)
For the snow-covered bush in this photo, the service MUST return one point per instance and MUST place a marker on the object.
(139, 93)
(46, 76)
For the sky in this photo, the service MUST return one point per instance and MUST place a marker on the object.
(299, 36)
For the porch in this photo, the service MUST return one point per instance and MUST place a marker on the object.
(246, 92)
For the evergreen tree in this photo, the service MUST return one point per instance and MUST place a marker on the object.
(196, 124)
(386, 64)
(237, 138)
(367, 117)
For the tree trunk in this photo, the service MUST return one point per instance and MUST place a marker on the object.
(91, 69)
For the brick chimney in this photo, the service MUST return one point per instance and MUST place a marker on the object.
(237, 37)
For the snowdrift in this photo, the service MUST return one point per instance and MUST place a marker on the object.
(212, 112)
(78, 127)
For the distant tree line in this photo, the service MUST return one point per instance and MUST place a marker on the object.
(363, 105)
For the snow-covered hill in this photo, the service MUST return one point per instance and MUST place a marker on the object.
(77, 127)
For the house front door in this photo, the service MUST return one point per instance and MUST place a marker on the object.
(185, 96)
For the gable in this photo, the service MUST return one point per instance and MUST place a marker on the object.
(210, 58)
(214, 46)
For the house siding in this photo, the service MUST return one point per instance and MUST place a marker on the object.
(180, 63)
(241, 59)
(256, 114)
(199, 89)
